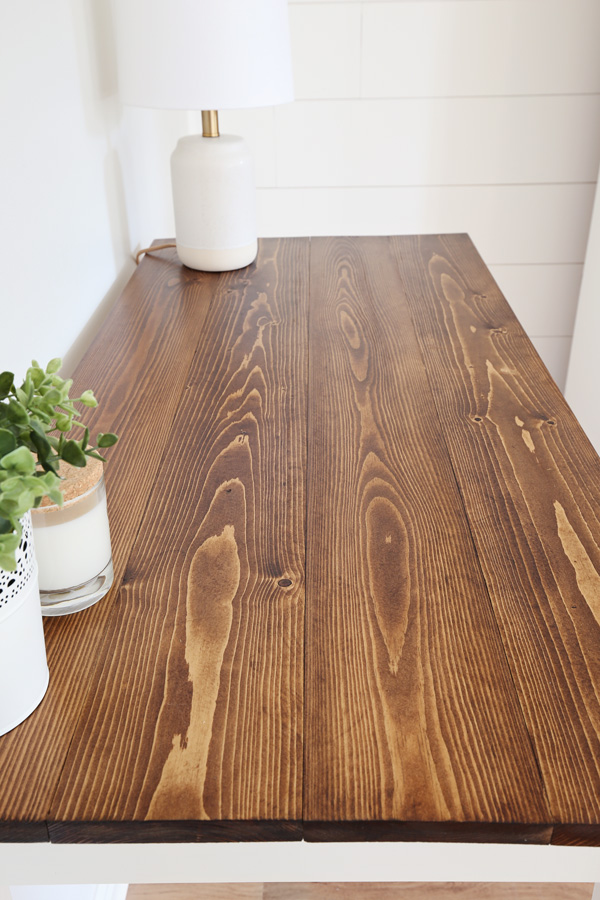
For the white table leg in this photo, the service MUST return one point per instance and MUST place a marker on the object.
(596, 892)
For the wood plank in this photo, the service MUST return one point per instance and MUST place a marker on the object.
(411, 715)
(407, 890)
(434, 139)
(170, 831)
(530, 481)
(24, 832)
(576, 835)
(195, 714)
(428, 49)
(132, 361)
(196, 891)
(416, 49)
(544, 298)
(414, 890)
(537, 223)
(473, 832)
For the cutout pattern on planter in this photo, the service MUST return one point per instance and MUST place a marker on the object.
(12, 583)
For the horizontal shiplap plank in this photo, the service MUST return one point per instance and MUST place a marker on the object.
(326, 49)
(498, 140)
(509, 224)
(554, 352)
(544, 298)
(453, 48)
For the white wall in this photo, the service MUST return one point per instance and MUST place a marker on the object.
(444, 115)
(411, 116)
(71, 162)
(583, 379)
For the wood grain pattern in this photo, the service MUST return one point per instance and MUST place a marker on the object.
(148, 340)
(530, 482)
(203, 661)
(410, 709)
(572, 835)
(196, 892)
(171, 831)
(413, 890)
(474, 832)
(449, 513)
(409, 890)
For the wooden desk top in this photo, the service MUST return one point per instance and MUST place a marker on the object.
(356, 537)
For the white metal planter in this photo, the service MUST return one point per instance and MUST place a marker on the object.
(23, 666)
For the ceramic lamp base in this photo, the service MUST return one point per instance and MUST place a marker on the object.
(217, 260)
(214, 202)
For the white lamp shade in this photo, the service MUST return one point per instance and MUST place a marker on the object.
(203, 54)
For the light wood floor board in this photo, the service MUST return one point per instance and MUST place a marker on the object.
(197, 892)
(364, 891)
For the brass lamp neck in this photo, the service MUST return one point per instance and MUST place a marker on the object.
(210, 123)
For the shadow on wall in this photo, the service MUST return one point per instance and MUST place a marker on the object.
(78, 348)
(96, 58)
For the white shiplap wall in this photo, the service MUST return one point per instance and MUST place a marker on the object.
(444, 115)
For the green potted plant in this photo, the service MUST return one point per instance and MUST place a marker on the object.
(35, 448)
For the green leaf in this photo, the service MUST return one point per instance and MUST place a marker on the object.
(36, 374)
(8, 562)
(24, 502)
(17, 413)
(88, 399)
(73, 454)
(106, 440)
(42, 447)
(11, 485)
(38, 426)
(20, 460)
(8, 442)
(10, 507)
(93, 455)
(51, 464)
(53, 366)
(52, 396)
(61, 384)
(63, 423)
(10, 541)
(6, 383)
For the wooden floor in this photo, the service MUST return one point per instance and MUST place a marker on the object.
(366, 891)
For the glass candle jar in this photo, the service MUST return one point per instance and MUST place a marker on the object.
(72, 543)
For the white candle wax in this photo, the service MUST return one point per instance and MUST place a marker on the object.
(70, 553)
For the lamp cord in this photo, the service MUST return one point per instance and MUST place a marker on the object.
(151, 250)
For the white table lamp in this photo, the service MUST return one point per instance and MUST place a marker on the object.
(207, 55)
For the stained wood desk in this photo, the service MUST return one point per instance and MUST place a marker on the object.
(356, 540)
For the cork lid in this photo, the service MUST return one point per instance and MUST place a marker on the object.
(76, 482)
